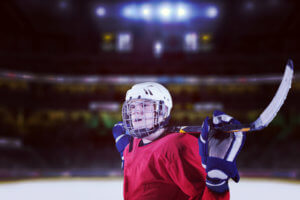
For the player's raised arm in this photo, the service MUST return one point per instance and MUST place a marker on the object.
(219, 150)
(121, 139)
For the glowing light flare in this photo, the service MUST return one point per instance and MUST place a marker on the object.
(107, 37)
(182, 12)
(27, 76)
(165, 11)
(168, 12)
(158, 48)
(124, 42)
(130, 11)
(206, 37)
(101, 11)
(146, 11)
(191, 42)
(91, 79)
(212, 12)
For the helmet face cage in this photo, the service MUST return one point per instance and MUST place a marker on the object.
(143, 117)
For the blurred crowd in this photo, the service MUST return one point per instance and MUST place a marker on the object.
(56, 129)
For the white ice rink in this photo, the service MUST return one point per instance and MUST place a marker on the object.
(111, 189)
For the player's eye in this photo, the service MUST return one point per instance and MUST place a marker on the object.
(132, 107)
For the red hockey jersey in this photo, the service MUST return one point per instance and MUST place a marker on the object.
(166, 169)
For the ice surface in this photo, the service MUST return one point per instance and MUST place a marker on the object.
(248, 189)
(111, 189)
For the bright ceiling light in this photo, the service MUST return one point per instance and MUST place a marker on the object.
(146, 11)
(182, 12)
(158, 48)
(124, 42)
(165, 11)
(191, 42)
(101, 11)
(130, 11)
(212, 12)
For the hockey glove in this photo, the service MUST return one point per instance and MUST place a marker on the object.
(219, 150)
(121, 139)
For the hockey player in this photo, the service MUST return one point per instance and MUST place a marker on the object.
(164, 163)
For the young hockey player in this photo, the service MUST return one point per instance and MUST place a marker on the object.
(168, 163)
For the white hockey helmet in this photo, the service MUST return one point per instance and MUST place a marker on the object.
(159, 96)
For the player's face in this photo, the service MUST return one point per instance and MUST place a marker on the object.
(142, 114)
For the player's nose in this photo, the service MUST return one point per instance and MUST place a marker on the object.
(138, 110)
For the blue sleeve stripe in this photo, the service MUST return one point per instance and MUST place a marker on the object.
(119, 137)
(202, 140)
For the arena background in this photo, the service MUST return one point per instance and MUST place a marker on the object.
(65, 67)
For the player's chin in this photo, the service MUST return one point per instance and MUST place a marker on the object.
(142, 127)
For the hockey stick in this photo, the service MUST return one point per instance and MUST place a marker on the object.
(271, 111)
(266, 116)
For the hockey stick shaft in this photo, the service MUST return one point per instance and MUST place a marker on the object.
(272, 109)
(267, 115)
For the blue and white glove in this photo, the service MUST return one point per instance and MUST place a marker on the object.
(218, 151)
(121, 138)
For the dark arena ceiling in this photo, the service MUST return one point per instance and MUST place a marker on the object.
(102, 37)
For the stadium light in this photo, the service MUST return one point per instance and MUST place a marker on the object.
(146, 11)
(165, 11)
(158, 48)
(191, 42)
(181, 12)
(107, 37)
(212, 12)
(124, 42)
(168, 11)
(206, 38)
(101, 11)
(130, 11)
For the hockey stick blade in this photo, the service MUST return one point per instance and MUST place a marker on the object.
(272, 109)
